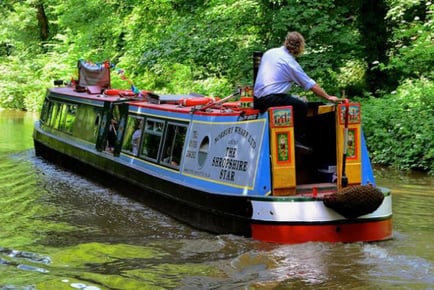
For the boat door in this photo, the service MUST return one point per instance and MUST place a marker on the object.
(114, 119)
(122, 111)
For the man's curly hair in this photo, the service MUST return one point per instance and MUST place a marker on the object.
(294, 42)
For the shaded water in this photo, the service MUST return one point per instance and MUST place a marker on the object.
(59, 230)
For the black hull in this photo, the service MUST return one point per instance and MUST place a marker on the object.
(213, 213)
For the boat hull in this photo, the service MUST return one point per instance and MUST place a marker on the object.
(339, 231)
(200, 209)
(269, 219)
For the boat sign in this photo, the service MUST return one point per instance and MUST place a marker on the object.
(225, 153)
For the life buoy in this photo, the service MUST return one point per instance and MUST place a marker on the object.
(115, 92)
(232, 105)
(111, 92)
(189, 102)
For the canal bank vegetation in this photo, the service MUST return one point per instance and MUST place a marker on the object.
(379, 52)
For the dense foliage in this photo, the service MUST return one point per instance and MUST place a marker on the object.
(361, 47)
(399, 126)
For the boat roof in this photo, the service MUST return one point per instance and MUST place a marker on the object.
(85, 95)
(150, 100)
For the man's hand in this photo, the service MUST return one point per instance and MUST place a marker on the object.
(334, 99)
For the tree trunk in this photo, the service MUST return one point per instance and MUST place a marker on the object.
(374, 36)
(42, 21)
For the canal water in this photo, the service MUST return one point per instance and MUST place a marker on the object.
(59, 230)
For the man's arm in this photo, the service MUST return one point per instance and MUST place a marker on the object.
(322, 93)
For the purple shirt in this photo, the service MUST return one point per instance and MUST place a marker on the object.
(277, 73)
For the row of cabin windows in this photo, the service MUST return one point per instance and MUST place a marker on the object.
(83, 123)
(60, 116)
(153, 139)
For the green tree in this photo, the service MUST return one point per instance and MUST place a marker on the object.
(178, 46)
(411, 55)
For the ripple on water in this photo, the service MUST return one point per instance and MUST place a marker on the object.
(24, 261)
(83, 286)
(386, 265)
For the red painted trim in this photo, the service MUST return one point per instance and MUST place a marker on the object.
(346, 232)
(182, 110)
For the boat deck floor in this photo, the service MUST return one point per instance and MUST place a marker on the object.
(316, 189)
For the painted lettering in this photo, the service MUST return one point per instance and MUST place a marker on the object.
(195, 134)
(252, 142)
(227, 175)
(231, 152)
(223, 133)
(228, 163)
(192, 144)
(243, 132)
(191, 154)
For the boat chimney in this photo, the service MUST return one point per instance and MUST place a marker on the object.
(58, 83)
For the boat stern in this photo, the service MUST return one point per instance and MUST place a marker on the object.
(299, 219)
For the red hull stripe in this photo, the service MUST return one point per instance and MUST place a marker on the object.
(346, 232)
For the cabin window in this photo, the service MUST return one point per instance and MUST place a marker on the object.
(203, 151)
(80, 120)
(115, 129)
(116, 115)
(173, 144)
(62, 116)
(67, 118)
(59, 116)
(133, 134)
(152, 138)
(45, 112)
(54, 116)
(87, 122)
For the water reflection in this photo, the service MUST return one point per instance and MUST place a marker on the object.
(59, 230)
(16, 129)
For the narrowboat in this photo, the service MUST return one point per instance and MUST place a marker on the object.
(219, 165)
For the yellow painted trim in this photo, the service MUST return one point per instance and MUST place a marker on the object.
(283, 172)
(353, 168)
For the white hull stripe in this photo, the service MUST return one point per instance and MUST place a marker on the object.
(309, 211)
